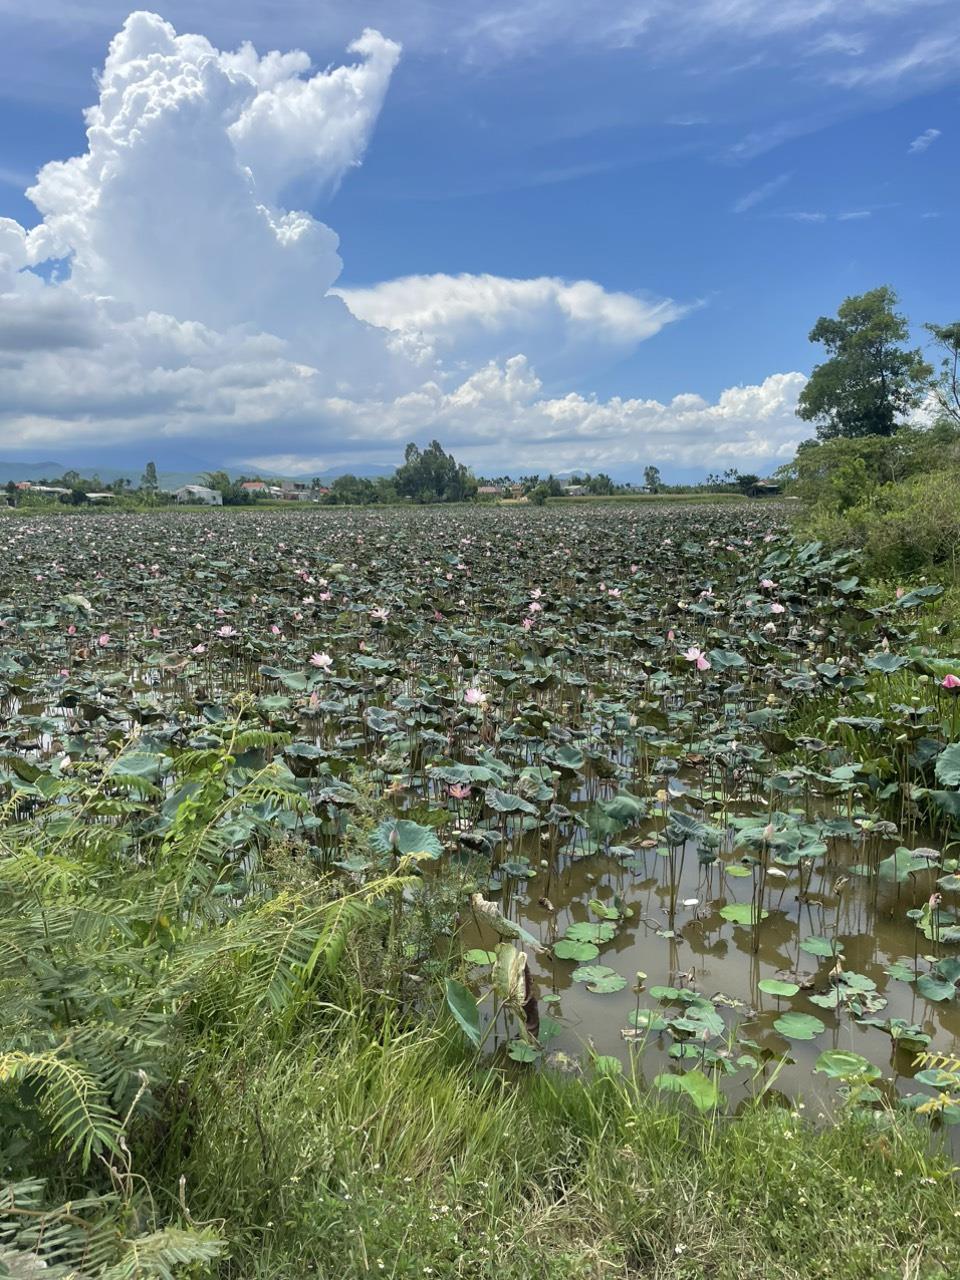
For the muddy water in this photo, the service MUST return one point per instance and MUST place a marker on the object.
(700, 951)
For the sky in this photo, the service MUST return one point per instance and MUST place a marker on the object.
(554, 235)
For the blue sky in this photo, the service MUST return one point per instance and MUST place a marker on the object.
(752, 163)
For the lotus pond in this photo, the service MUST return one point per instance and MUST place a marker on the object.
(676, 789)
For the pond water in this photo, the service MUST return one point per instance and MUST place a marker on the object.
(697, 951)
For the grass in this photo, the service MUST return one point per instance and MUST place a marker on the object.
(383, 1151)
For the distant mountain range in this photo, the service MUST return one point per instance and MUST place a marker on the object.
(37, 471)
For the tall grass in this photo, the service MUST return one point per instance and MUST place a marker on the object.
(378, 1149)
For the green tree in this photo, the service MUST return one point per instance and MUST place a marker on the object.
(946, 387)
(652, 479)
(430, 475)
(148, 481)
(870, 381)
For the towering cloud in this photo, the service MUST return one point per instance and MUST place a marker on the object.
(172, 290)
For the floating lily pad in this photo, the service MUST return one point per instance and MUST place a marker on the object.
(799, 1026)
(776, 987)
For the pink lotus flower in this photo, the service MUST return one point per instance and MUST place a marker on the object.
(380, 614)
(321, 660)
(460, 790)
(325, 596)
(900, 593)
(274, 629)
(71, 630)
(770, 628)
(693, 654)
(475, 697)
(527, 624)
(534, 607)
(767, 583)
(198, 649)
(103, 640)
(226, 632)
(950, 682)
(777, 607)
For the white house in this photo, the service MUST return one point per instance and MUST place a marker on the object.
(199, 493)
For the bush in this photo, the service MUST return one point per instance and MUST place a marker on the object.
(903, 528)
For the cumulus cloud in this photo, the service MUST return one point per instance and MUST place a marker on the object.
(484, 317)
(168, 294)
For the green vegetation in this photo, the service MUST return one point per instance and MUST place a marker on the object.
(212, 1070)
(496, 891)
(870, 382)
(877, 477)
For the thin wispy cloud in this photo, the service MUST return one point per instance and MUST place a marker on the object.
(802, 215)
(761, 193)
(923, 140)
(14, 178)
(854, 215)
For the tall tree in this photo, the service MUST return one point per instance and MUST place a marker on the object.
(148, 481)
(870, 382)
(652, 479)
(946, 387)
(430, 475)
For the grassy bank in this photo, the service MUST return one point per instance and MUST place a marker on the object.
(211, 1072)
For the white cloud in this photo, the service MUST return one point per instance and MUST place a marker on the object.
(854, 215)
(923, 140)
(198, 309)
(761, 193)
(483, 317)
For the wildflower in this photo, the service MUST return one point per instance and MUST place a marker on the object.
(321, 660)
(475, 697)
(693, 654)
